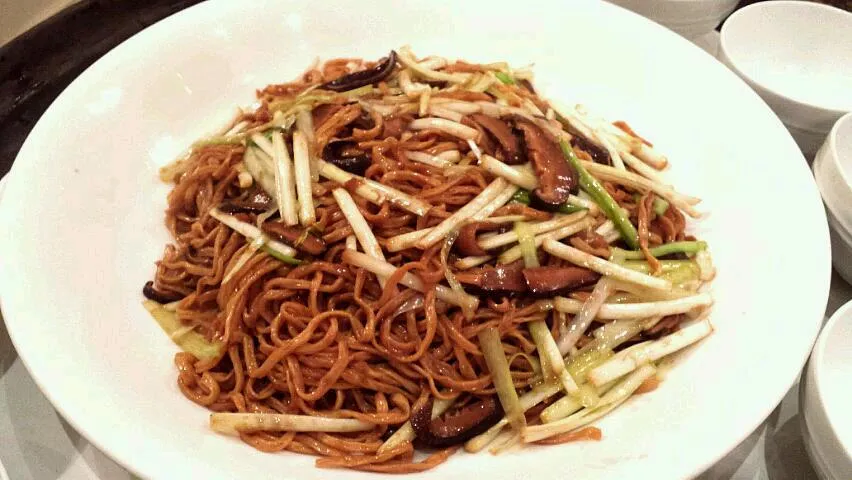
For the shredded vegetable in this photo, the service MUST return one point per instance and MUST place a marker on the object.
(284, 180)
(583, 259)
(183, 335)
(583, 319)
(236, 423)
(606, 203)
(495, 358)
(685, 247)
(547, 349)
(505, 78)
(609, 402)
(611, 311)
(252, 233)
(302, 162)
(490, 193)
(526, 240)
(628, 360)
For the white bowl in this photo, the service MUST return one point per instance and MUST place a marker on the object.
(833, 171)
(798, 57)
(824, 395)
(73, 258)
(690, 18)
(833, 174)
(841, 247)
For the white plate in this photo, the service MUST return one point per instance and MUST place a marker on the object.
(4, 349)
(83, 222)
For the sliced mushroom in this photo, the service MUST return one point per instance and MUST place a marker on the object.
(597, 154)
(300, 238)
(666, 326)
(510, 146)
(484, 141)
(506, 278)
(346, 155)
(466, 243)
(455, 426)
(557, 280)
(152, 293)
(254, 200)
(528, 85)
(364, 77)
(556, 177)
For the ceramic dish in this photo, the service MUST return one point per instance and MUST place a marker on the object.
(690, 18)
(76, 254)
(827, 423)
(805, 77)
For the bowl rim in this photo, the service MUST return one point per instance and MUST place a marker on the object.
(833, 151)
(818, 359)
(836, 225)
(724, 50)
(806, 420)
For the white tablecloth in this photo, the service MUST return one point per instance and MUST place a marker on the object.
(37, 444)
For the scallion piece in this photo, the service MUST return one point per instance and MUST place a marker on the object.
(660, 206)
(280, 256)
(547, 349)
(675, 271)
(184, 336)
(234, 423)
(602, 198)
(521, 196)
(609, 402)
(498, 366)
(688, 248)
(505, 78)
(526, 240)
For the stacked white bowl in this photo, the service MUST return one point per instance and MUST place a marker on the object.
(833, 174)
(798, 57)
(824, 397)
(690, 18)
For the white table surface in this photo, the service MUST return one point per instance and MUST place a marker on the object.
(36, 443)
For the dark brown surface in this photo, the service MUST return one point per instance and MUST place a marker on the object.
(36, 66)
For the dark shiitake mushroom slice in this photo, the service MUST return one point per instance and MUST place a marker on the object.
(557, 280)
(252, 201)
(364, 77)
(346, 155)
(152, 293)
(300, 238)
(455, 426)
(557, 178)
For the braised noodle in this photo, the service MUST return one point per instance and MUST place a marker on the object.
(297, 317)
